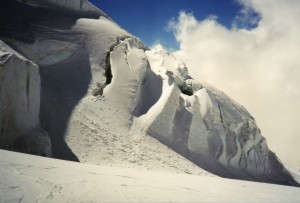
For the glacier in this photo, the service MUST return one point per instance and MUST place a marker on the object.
(106, 98)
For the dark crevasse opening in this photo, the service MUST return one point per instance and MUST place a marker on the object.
(108, 72)
(185, 88)
(98, 91)
(188, 92)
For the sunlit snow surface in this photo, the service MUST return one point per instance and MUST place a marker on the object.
(28, 178)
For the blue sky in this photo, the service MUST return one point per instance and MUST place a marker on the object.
(148, 19)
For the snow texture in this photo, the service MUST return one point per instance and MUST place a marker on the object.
(210, 129)
(107, 99)
(26, 178)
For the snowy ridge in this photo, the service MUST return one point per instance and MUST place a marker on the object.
(82, 8)
(206, 126)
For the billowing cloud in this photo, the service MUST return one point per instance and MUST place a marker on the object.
(258, 67)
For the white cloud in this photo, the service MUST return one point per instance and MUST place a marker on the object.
(260, 67)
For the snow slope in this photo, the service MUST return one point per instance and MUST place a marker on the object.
(82, 8)
(27, 178)
(106, 99)
(206, 126)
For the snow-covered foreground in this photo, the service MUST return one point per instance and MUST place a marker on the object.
(27, 178)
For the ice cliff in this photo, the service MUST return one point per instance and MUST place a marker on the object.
(102, 92)
(20, 105)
